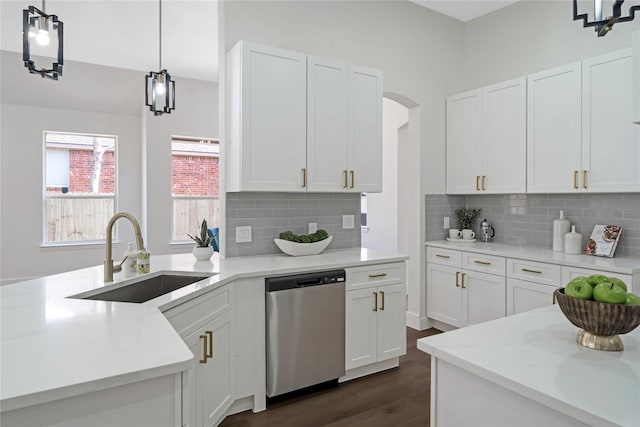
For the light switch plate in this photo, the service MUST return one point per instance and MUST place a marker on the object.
(243, 234)
(348, 221)
(447, 223)
(313, 227)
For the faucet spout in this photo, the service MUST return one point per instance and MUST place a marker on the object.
(109, 267)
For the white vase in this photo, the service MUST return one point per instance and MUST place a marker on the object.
(202, 254)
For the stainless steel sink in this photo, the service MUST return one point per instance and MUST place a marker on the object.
(146, 289)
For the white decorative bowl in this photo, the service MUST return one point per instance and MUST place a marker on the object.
(301, 249)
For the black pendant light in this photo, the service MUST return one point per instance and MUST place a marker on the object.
(604, 25)
(36, 27)
(160, 90)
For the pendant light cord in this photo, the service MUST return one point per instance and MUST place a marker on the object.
(43, 8)
(160, 32)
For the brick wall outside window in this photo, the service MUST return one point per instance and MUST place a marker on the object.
(194, 175)
(80, 163)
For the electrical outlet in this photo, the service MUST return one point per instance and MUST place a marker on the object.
(243, 234)
(313, 227)
(447, 223)
(348, 221)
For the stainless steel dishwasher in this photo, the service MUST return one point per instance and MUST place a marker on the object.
(305, 330)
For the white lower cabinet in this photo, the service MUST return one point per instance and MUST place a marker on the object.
(524, 296)
(483, 297)
(444, 294)
(375, 314)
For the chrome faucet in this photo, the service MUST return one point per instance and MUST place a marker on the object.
(109, 266)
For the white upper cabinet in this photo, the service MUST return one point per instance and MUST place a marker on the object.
(553, 130)
(610, 140)
(299, 123)
(504, 137)
(636, 77)
(267, 119)
(464, 136)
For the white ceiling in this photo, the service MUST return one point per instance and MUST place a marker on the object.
(464, 10)
(124, 33)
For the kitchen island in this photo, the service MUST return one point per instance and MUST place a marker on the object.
(56, 349)
(528, 370)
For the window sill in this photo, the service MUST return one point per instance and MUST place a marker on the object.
(181, 243)
(74, 245)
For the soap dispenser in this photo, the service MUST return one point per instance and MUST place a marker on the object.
(560, 228)
(131, 261)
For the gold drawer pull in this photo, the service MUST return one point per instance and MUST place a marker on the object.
(375, 301)
(531, 271)
(382, 295)
(210, 352)
(443, 256)
(372, 276)
(482, 262)
(554, 298)
(457, 279)
(204, 349)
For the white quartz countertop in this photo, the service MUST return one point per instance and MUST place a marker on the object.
(615, 265)
(52, 346)
(535, 354)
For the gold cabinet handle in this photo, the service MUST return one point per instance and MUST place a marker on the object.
(482, 262)
(210, 352)
(382, 295)
(477, 182)
(483, 178)
(463, 286)
(554, 298)
(353, 178)
(443, 256)
(373, 276)
(344, 176)
(457, 279)
(575, 179)
(584, 179)
(526, 270)
(304, 177)
(375, 301)
(204, 349)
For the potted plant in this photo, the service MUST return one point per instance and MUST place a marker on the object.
(466, 217)
(203, 250)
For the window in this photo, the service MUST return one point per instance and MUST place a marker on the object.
(194, 185)
(79, 188)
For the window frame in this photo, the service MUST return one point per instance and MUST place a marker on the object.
(68, 243)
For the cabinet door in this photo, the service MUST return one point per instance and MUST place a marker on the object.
(326, 125)
(610, 140)
(273, 119)
(504, 137)
(365, 129)
(464, 122)
(207, 392)
(524, 296)
(444, 294)
(553, 130)
(483, 297)
(636, 77)
(570, 273)
(391, 321)
(360, 328)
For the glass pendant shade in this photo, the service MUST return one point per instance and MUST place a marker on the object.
(160, 92)
(37, 27)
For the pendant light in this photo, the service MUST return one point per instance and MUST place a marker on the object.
(160, 90)
(604, 25)
(36, 28)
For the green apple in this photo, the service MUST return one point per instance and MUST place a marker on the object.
(632, 299)
(609, 293)
(618, 282)
(596, 279)
(578, 289)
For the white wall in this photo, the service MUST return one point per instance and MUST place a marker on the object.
(420, 51)
(382, 208)
(530, 36)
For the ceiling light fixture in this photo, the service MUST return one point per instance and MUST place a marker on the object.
(36, 25)
(604, 25)
(160, 90)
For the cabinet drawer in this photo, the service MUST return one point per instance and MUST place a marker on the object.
(375, 275)
(569, 273)
(483, 263)
(444, 257)
(538, 272)
(187, 317)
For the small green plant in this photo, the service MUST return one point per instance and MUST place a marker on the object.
(204, 239)
(467, 217)
(306, 238)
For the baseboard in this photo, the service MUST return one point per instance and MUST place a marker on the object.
(241, 405)
(362, 371)
(414, 321)
(441, 326)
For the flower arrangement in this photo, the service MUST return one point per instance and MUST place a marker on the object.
(466, 217)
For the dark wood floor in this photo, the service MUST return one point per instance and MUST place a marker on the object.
(398, 397)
